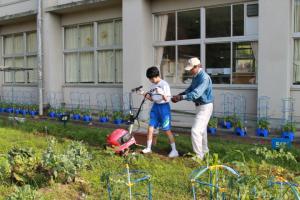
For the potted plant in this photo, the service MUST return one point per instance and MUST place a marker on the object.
(289, 130)
(103, 116)
(52, 112)
(33, 110)
(117, 117)
(60, 112)
(212, 125)
(87, 115)
(263, 127)
(23, 110)
(239, 127)
(228, 122)
(76, 114)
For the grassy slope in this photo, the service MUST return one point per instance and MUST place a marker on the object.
(169, 176)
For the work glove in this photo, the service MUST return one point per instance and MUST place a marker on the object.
(176, 98)
(141, 92)
(160, 91)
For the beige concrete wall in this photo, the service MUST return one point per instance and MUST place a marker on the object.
(12, 7)
(99, 14)
(18, 28)
(169, 5)
(274, 71)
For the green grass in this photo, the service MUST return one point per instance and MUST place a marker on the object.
(169, 177)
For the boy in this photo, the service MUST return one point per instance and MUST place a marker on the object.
(160, 114)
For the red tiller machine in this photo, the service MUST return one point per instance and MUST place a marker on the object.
(120, 139)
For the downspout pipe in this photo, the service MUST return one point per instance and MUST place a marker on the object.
(40, 55)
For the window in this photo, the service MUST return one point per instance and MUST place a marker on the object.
(188, 29)
(20, 50)
(229, 43)
(296, 61)
(83, 48)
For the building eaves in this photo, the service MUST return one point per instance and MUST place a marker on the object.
(19, 17)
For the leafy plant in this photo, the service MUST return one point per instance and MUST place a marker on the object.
(117, 115)
(213, 122)
(289, 127)
(230, 118)
(263, 124)
(76, 110)
(103, 113)
(238, 123)
(4, 169)
(23, 164)
(86, 112)
(23, 193)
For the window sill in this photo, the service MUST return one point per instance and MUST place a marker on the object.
(295, 88)
(20, 85)
(222, 86)
(91, 85)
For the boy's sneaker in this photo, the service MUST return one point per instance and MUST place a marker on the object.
(146, 150)
(173, 154)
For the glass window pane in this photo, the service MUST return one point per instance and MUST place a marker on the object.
(297, 15)
(165, 27)
(119, 66)
(18, 43)
(86, 67)
(8, 45)
(218, 22)
(297, 62)
(238, 20)
(244, 63)
(32, 74)
(86, 36)
(8, 62)
(106, 67)
(31, 42)
(19, 75)
(188, 24)
(184, 53)
(71, 66)
(218, 62)
(106, 34)
(165, 58)
(71, 37)
(118, 32)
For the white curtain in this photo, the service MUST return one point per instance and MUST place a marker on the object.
(254, 46)
(119, 67)
(8, 45)
(106, 66)
(71, 66)
(106, 34)
(118, 32)
(297, 61)
(18, 44)
(161, 24)
(8, 62)
(31, 42)
(86, 67)
(86, 36)
(32, 74)
(19, 75)
(297, 16)
(71, 39)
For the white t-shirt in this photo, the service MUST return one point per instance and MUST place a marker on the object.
(157, 98)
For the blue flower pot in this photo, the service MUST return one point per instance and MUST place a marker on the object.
(87, 118)
(240, 132)
(33, 113)
(23, 112)
(212, 130)
(103, 119)
(288, 135)
(227, 125)
(76, 117)
(59, 115)
(9, 110)
(118, 121)
(52, 114)
(17, 111)
(262, 132)
(4, 109)
(1, 109)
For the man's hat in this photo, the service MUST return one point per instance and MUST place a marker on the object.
(191, 63)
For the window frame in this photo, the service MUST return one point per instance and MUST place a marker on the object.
(203, 40)
(94, 49)
(25, 56)
(294, 36)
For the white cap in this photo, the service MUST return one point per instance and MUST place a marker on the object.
(191, 63)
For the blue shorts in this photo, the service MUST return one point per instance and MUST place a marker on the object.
(160, 116)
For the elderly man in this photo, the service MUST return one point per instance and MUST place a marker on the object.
(200, 92)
